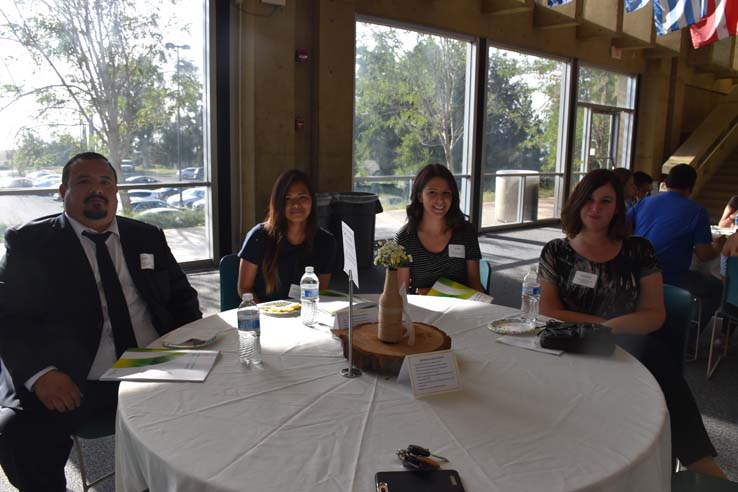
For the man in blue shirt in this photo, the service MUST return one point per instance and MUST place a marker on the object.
(678, 227)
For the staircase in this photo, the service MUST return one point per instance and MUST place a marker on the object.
(714, 194)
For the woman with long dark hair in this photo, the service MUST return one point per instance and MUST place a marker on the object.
(437, 235)
(276, 252)
(601, 274)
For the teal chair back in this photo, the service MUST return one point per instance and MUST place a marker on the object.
(679, 304)
(729, 305)
(687, 481)
(229, 282)
(485, 275)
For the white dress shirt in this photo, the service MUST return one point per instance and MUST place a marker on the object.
(143, 327)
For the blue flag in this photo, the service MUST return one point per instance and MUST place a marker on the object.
(554, 3)
(633, 5)
(672, 15)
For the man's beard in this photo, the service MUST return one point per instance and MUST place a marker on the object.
(95, 213)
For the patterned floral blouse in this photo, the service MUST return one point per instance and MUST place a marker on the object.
(617, 285)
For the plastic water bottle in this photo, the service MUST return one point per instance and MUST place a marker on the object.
(531, 293)
(249, 331)
(309, 297)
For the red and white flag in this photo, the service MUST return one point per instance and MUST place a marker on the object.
(720, 22)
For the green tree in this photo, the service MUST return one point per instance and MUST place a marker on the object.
(106, 58)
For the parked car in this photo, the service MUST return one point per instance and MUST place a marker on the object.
(141, 180)
(127, 167)
(35, 175)
(192, 173)
(49, 181)
(164, 193)
(199, 204)
(17, 183)
(138, 205)
(142, 195)
(189, 196)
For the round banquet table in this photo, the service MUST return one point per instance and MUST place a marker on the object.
(524, 420)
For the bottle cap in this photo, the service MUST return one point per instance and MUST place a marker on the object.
(309, 269)
(247, 296)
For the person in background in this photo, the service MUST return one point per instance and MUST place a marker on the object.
(76, 290)
(629, 188)
(275, 253)
(678, 227)
(643, 183)
(729, 213)
(437, 235)
(730, 248)
(601, 274)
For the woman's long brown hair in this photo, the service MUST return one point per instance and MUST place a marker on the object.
(275, 225)
(454, 217)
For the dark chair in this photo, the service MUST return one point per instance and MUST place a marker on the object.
(102, 425)
(679, 305)
(728, 310)
(485, 275)
(687, 481)
(228, 282)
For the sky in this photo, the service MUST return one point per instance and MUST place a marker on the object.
(16, 66)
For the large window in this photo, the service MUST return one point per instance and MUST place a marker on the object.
(131, 85)
(522, 167)
(413, 91)
(604, 125)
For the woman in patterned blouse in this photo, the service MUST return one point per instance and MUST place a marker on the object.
(600, 274)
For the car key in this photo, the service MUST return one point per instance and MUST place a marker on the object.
(421, 451)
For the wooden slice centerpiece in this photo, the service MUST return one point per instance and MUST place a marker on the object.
(371, 354)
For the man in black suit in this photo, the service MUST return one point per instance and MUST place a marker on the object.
(76, 290)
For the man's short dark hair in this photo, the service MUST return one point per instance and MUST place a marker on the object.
(681, 177)
(641, 178)
(85, 156)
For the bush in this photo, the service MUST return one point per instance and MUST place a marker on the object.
(183, 218)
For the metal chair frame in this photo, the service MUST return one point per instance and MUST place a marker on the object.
(692, 357)
(728, 312)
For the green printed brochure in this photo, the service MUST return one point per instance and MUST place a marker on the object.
(158, 364)
(448, 288)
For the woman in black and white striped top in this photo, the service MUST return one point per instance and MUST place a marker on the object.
(437, 235)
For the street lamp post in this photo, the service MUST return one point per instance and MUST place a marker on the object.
(178, 47)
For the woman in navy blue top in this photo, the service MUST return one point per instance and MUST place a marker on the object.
(275, 253)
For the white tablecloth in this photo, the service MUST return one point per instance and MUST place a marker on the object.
(525, 421)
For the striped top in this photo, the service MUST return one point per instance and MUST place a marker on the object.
(428, 267)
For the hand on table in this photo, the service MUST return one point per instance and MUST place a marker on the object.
(57, 391)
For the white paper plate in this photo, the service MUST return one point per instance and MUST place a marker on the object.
(190, 343)
(271, 308)
(511, 326)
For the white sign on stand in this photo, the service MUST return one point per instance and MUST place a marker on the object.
(349, 253)
(431, 373)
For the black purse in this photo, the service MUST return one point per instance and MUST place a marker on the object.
(578, 338)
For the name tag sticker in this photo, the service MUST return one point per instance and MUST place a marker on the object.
(294, 291)
(585, 279)
(456, 251)
(147, 261)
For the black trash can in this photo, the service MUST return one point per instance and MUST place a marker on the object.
(324, 202)
(358, 210)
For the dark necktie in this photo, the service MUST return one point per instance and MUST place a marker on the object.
(118, 314)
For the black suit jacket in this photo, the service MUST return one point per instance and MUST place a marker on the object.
(50, 312)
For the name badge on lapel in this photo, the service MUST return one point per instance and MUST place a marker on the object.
(585, 279)
(147, 261)
(456, 251)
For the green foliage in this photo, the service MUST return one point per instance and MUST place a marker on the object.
(183, 218)
(110, 72)
(410, 102)
(35, 153)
